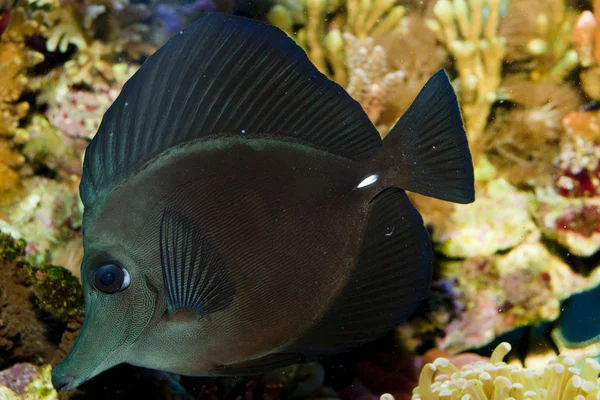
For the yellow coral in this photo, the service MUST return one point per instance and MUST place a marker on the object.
(478, 51)
(559, 380)
(14, 59)
(320, 33)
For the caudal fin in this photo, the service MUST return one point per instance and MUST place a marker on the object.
(427, 148)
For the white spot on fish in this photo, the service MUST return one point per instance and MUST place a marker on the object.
(126, 104)
(243, 131)
(369, 180)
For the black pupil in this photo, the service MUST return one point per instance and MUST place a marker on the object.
(109, 278)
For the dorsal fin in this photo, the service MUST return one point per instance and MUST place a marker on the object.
(223, 75)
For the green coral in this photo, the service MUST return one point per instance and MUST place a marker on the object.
(42, 388)
(10, 248)
(58, 291)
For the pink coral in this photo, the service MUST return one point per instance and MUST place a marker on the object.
(18, 377)
(78, 112)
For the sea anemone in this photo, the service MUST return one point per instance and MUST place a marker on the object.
(561, 379)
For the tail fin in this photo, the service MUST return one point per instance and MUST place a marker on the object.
(428, 146)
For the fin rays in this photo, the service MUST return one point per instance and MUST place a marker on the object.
(222, 75)
(193, 273)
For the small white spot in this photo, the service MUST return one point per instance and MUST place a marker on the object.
(181, 32)
(243, 131)
(126, 104)
(369, 180)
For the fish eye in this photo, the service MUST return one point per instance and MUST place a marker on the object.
(111, 278)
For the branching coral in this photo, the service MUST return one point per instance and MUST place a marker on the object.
(586, 41)
(472, 39)
(370, 82)
(15, 58)
(320, 31)
(559, 380)
(538, 33)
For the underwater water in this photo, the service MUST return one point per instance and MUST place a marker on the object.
(285, 260)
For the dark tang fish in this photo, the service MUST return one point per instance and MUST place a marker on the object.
(242, 213)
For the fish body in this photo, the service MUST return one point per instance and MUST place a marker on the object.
(242, 213)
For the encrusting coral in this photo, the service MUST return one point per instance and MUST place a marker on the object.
(498, 221)
(495, 380)
(492, 295)
(27, 382)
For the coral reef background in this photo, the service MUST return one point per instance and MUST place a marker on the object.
(521, 264)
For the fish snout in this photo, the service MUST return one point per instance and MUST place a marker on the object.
(62, 381)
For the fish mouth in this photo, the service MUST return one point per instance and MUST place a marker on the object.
(65, 382)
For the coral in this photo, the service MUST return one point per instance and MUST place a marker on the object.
(414, 51)
(15, 58)
(45, 216)
(26, 382)
(538, 35)
(10, 248)
(94, 35)
(522, 141)
(469, 32)
(498, 220)
(494, 295)
(378, 53)
(577, 168)
(319, 31)
(18, 377)
(370, 81)
(57, 290)
(42, 388)
(24, 334)
(50, 149)
(572, 222)
(497, 380)
(586, 41)
(78, 110)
